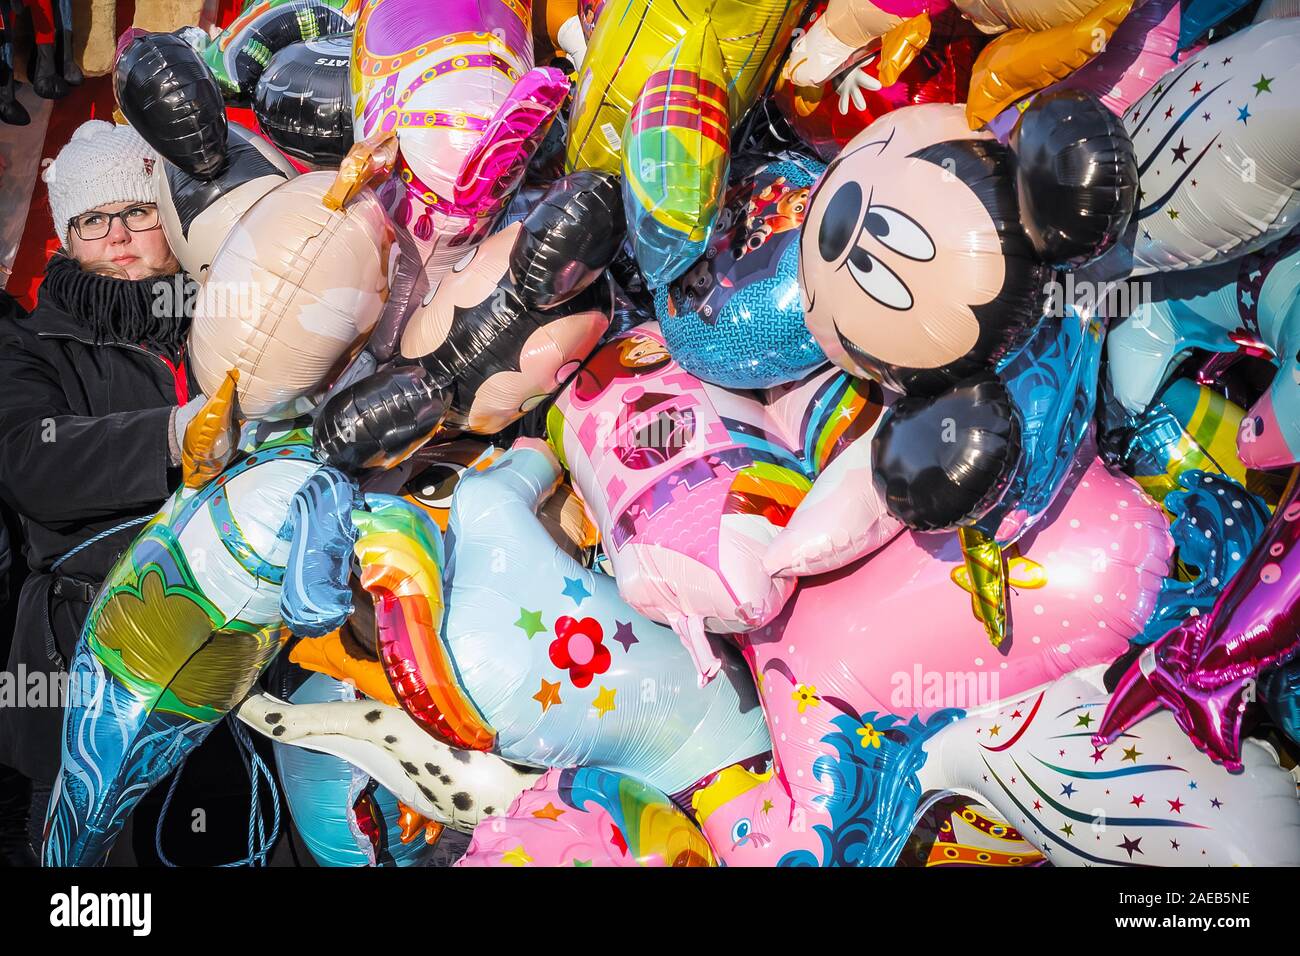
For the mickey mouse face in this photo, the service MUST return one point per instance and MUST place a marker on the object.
(896, 250)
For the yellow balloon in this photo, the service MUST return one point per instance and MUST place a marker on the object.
(631, 38)
(1022, 61)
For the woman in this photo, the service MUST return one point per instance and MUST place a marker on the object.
(94, 396)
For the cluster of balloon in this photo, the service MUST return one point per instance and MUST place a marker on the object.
(917, 192)
(503, 332)
(661, 90)
(301, 100)
(599, 443)
(465, 656)
(826, 119)
(455, 81)
(240, 53)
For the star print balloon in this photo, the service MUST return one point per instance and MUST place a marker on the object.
(1148, 799)
(535, 658)
(1218, 146)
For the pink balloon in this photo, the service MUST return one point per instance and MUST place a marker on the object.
(689, 483)
(455, 81)
(897, 635)
(589, 817)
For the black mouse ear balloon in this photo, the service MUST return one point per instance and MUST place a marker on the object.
(197, 214)
(171, 99)
(944, 462)
(301, 100)
(569, 239)
(1077, 176)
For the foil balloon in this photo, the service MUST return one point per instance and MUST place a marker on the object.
(1030, 759)
(197, 214)
(1023, 60)
(456, 83)
(940, 73)
(917, 191)
(301, 100)
(343, 817)
(734, 318)
(654, 451)
(454, 788)
(1188, 427)
(182, 626)
(1053, 382)
(1247, 305)
(306, 285)
(1164, 804)
(239, 54)
(168, 96)
(536, 659)
(676, 154)
(1206, 669)
(1215, 141)
(630, 41)
(588, 816)
(1202, 16)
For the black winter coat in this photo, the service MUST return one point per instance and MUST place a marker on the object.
(84, 432)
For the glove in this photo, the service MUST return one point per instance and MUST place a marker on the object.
(851, 87)
(181, 417)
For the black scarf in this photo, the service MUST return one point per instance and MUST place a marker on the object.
(145, 312)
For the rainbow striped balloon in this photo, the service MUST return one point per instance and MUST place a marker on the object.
(675, 157)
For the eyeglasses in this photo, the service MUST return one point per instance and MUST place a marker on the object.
(96, 225)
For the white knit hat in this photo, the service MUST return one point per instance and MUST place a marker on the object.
(102, 163)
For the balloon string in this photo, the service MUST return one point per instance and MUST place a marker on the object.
(258, 844)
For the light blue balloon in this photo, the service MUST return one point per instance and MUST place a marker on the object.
(514, 598)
